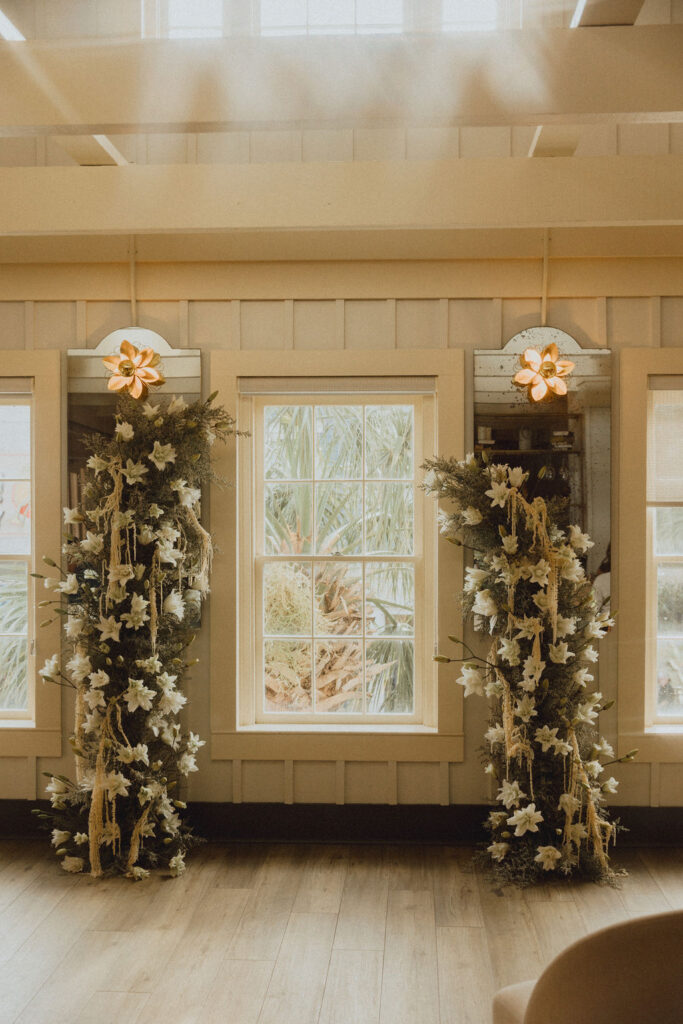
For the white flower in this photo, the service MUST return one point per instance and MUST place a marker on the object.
(69, 585)
(533, 670)
(194, 743)
(593, 769)
(92, 722)
(177, 404)
(155, 511)
(50, 584)
(169, 554)
(484, 603)
(134, 471)
(74, 865)
(577, 832)
(548, 856)
(498, 850)
(565, 626)
(509, 650)
(573, 571)
(560, 653)
(586, 713)
(582, 676)
(124, 431)
(165, 682)
(59, 837)
(72, 516)
(162, 455)
(120, 574)
(151, 664)
(137, 615)
(116, 784)
(510, 545)
(562, 747)
(472, 679)
(187, 496)
(170, 702)
(109, 628)
(187, 764)
(50, 668)
(498, 494)
(56, 787)
(138, 695)
(516, 476)
(525, 709)
(496, 734)
(170, 734)
(589, 654)
(578, 540)
(510, 794)
(78, 667)
(527, 628)
(121, 520)
(568, 804)
(547, 737)
(138, 874)
(177, 864)
(150, 410)
(542, 601)
(498, 472)
(539, 572)
(80, 838)
(474, 579)
(139, 752)
(526, 819)
(94, 699)
(496, 818)
(610, 785)
(494, 688)
(145, 534)
(471, 516)
(94, 543)
(603, 748)
(97, 463)
(73, 626)
(173, 605)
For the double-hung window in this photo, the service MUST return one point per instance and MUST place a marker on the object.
(30, 526)
(665, 556)
(340, 561)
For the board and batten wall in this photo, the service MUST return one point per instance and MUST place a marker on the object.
(385, 305)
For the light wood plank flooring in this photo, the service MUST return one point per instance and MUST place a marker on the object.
(293, 935)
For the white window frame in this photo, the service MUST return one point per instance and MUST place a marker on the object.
(37, 731)
(636, 623)
(253, 559)
(234, 731)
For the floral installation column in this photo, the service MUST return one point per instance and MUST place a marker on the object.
(529, 592)
(138, 568)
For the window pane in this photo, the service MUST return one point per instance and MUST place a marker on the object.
(389, 676)
(288, 453)
(331, 13)
(339, 519)
(13, 674)
(287, 598)
(338, 598)
(670, 677)
(15, 517)
(287, 669)
(289, 518)
(13, 597)
(389, 519)
(338, 442)
(278, 14)
(15, 442)
(389, 442)
(669, 530)
(664, 455)
(389, 599)
(670, 599)
(470, 15)
(380, 15)
(339, 676)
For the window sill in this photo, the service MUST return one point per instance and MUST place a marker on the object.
(343, 728)
(20, 738)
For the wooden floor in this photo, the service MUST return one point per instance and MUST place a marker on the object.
(293, 935)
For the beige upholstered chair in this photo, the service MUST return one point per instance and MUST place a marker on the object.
(629, 973)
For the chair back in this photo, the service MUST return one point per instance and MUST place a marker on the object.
(628, 973)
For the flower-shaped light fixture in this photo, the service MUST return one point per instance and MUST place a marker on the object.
(542, 373)
(133, 370)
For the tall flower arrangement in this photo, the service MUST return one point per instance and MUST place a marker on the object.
(138, 562)
(529, 592)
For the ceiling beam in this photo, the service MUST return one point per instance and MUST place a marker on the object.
(512, 193)
(542, 76)
(596, 13)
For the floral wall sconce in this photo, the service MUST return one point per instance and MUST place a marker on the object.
(543, 373)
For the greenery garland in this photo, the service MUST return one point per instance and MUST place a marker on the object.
(528, 590)
(138, 568)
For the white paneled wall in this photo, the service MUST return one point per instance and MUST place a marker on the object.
(333, 323)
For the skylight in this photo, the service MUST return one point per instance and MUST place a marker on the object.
(330, 17)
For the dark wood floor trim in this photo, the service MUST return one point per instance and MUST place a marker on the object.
(366, 823)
